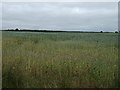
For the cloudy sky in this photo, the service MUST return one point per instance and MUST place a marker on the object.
(87, 16)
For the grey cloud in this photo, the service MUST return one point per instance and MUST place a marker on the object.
(61, 16)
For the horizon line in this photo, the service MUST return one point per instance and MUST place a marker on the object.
(56, 30)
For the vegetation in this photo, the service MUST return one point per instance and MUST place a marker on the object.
(59, 60)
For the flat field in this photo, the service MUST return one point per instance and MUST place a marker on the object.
(59, 60)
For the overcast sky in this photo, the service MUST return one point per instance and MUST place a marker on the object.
(87, 16)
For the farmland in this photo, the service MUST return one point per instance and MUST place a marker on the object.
(59, 60)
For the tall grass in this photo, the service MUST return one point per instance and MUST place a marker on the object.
(59, 60)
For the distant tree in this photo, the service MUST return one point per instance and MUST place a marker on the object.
(16, 29)
(101, 31)
(116, 31)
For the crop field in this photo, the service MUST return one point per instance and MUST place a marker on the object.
(59, 60)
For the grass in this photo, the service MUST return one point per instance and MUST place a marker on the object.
(59, 60)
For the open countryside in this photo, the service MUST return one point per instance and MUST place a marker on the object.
(59, 60)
